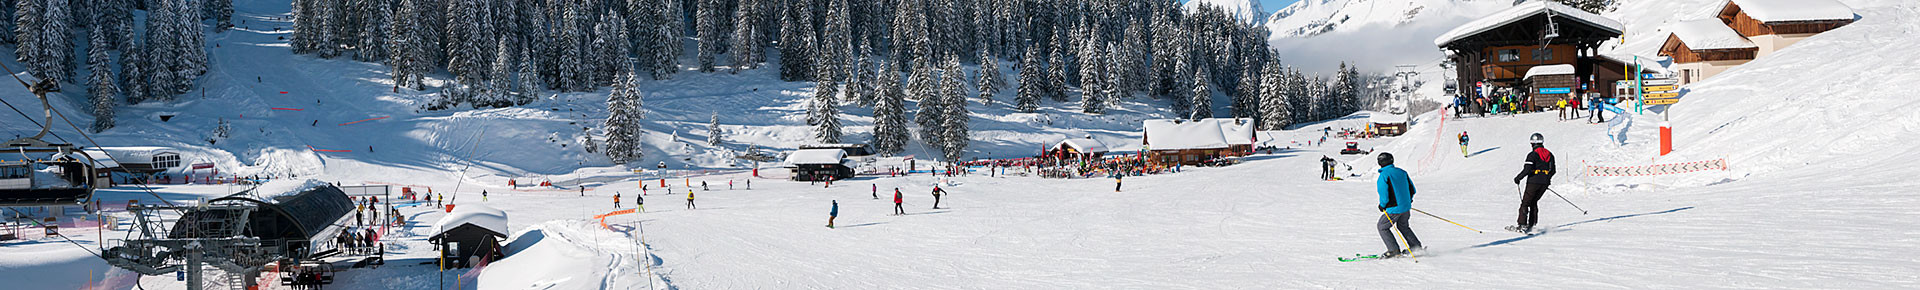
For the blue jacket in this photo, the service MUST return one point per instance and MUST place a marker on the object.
(1396, 190)
(836, 210)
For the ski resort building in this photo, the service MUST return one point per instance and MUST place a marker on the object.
(470, 231)
(1179, 141)
(1747, 29)
(1077, 149)
(1497, 51)
(820, 164)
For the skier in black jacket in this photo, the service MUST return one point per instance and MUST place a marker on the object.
(1538, 175)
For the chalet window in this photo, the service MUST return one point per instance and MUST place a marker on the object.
(11, 172)
(1509, 55)
(166, 161)
(1543, 54)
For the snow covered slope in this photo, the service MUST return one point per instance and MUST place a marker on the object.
(1248, 11)
(1316, 35)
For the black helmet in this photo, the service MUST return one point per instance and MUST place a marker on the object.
(1537, 139)
(1386, 159)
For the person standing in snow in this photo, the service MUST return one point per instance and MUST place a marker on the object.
(1326, 167)
(834, 213)
(483, 195)
(703, 185)
(1463, 143)
(937, 192)
(616, 200)
(1396, 198)
(1116, 180)
(690, 199)
(640, 202)
(897, 210)
(876, 191)
(1538, 175)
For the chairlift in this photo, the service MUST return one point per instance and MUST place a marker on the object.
(34, 172)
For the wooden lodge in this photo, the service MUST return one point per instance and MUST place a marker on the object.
(1744, 30)
(1170, 142)
(1496, 52)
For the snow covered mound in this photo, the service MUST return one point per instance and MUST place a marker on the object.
(1316, 35)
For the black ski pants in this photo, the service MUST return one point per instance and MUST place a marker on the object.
(1530, 204)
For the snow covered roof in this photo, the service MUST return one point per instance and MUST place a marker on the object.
(286, 187)
(1384, 118)
(1709, 34)
(1165, 134)
(482, 216)
(1084, 145)
(1522, 11)
(143, 154)
(816, 156)
(1549, 70)
(1647, 63)
(1236, 131)
(1792, 10)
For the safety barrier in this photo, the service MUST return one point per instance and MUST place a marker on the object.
(1657, 169)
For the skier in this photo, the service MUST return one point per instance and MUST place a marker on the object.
(1116, 181)
(643, 189)
(876, 191)
(1538, 174)
(640, 202)
(897, 210)
(616, 200)
(1326, 168)
(729, 184)
(937, 192)
(703, 185)
(690, 199)
(749, 184)
(1463, 143)
(1396, 198)
(831, 214)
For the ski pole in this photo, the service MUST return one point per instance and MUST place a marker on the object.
(1448, 221)
(1569, 202)
(1392, 227)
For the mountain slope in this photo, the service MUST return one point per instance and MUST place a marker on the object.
(1248, 11)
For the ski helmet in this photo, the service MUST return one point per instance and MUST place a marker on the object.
(1537, 139)
(1386, 159)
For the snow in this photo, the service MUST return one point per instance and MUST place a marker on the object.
(1084, 145)
(485, 217)
(1165, 134)
(1549, 70)
(1709, 34)
(1237, 131)
(1248, 11)
(1522, 11)
(1317, 35)
(285, 187)
(1646, 63)
(816, 156)
(1794, 10)
(1385, 118)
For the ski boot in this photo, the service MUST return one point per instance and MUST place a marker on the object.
(1524, 229)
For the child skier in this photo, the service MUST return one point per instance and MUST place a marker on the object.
(1538, 174)
(1326, 168)
(834, 213)
(1396, 198)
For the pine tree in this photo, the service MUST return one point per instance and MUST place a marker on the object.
(666, 56)
(50, 55)
(408, 44)
(500, 86)
(1093, 85)
(953, 115)
(1246, 98)
(713, 131)
(1057, 75)
(529, 76)
(746, 37)
(990, 80)
(100, 78)
(836, 45)
(573, 73)
(825, 114)
(222, 14)
(1033, 82)
(1202, 96)
(709, 31)
(796, 46)
(623, 120)
(133, 70)
(1274, 111)
(911, 39)
(326, 42)
(372, 45)
(890, 133)
(306, 25)
(466, 59)
(922, 86)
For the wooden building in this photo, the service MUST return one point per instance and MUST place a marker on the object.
(1178, 141)
(1744, 30)
(1077, 149)
(1549, 84)
(1499, 49)
(820, 164)
(470, 231)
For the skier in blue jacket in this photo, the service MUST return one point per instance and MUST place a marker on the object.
(834, 213)
(1396, 198)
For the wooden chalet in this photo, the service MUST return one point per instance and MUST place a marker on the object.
(1170, 142)
(1498, 50)
(1747, 29)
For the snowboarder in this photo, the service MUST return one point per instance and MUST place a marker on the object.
(1396, 198)
(1463, 143)
(703, 185)
(834, 213)
(690, 198)
(897, 210)
(1538, 175)
(937, 192)
(616, 200)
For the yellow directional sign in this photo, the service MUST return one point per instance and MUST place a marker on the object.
(1657, 102)
(1662, 96)
(1662, 88)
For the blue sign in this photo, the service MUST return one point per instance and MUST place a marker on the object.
(1545, 91)
(180, 275)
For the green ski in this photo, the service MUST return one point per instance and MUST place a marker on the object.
(1358, 257)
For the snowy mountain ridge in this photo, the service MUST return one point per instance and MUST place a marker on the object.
(1248, 11)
